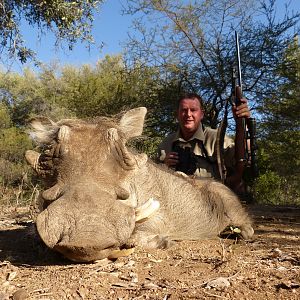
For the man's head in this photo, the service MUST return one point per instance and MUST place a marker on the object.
(189, 114)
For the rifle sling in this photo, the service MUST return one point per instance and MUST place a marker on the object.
(220, 145)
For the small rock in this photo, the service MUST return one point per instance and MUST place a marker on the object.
(5, 284)
(276, 253)
(130, 264)
(11, 276)
(82, 292)
(281, 268)
(119, 264)
(134, 277)
(219, 284)
(150, 286)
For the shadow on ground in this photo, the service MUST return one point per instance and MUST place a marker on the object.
(21, 246)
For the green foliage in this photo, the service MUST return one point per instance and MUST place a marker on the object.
(68, 20)
(268, 188)
(13, 169)
(5, 120)
(106, 89)
(271, 188)
(112, 87)
(30, 94)
(280, 135)
(13, 144)
(11, 173)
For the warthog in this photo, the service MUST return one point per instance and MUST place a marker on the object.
(107, 197)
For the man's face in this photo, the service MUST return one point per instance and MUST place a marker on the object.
(189, 115)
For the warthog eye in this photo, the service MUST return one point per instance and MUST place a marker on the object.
(112, 134)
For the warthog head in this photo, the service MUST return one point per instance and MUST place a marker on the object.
(92, 209)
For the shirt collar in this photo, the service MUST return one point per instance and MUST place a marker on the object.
(199, 135)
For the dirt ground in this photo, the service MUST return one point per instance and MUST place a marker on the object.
(267, 267)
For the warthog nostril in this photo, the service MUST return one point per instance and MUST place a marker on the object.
(122, 194)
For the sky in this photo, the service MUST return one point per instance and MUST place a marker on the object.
(110, 28)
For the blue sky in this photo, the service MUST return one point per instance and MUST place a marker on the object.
(110, 27)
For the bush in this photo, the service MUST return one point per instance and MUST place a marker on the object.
(15, 187)
(270, 188)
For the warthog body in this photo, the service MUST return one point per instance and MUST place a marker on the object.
(101, 187)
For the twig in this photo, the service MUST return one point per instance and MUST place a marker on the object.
(41, 290)
(223, 254)
(178, 263)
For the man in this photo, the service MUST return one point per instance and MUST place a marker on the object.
(192, 149)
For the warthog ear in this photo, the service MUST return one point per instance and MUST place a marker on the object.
(132, 122)
(44, 130)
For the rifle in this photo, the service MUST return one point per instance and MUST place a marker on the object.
(245, 128)
(245, 157)
(241, 150)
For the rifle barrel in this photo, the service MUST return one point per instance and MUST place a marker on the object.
(238, 58)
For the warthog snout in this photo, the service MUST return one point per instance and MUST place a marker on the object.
(86, 224)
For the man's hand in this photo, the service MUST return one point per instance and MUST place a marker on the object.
(241, 110)
(171, 159)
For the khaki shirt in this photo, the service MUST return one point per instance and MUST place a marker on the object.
(206, 167)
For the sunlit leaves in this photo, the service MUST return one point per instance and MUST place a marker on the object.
(70, 21)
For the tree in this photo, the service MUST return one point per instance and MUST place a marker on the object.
(107, 88)
(112, 87)
(13, 143)
(68, 20)
(280, 126)
(194, 41)
(31, 94)
(5, 120)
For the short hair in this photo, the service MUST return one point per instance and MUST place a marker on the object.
(189, 96)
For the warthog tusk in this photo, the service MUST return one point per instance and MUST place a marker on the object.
(146, 210)
(181, 174)
(162, 155)
(32, 158)
(114, 254)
